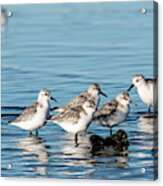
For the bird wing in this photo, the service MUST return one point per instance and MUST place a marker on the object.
(27, 114)
(77, 101)
(150, 80)
(106, 110)
(70, 116)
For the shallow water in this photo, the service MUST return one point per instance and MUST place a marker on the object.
(64, 48)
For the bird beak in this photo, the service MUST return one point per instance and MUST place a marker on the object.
(134, 104)
(53, 99)
(102, 93)
(130, 87)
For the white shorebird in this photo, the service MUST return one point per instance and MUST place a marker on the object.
(92, 94)
(35, 115)
(75, 119)
(113, 112)
(146, 88)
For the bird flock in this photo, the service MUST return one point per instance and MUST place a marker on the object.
(78, 113)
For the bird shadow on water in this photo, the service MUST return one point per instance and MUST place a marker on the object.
(114, 145)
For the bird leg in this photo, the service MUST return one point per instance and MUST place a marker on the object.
(76, 139)
(36, 132)
(149, 109)
(30, 133)
(110, 131)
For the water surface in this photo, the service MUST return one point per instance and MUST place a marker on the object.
(65, 48)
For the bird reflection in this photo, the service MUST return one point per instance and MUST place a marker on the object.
(33, 147)
(148, 125)
(92, 148)
(79, 154)
(148, 122)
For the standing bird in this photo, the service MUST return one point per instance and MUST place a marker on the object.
(146, 88)
(35, 115)
(92, 94)
(113, 112)
(75, 119)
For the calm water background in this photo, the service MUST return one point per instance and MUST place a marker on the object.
(64, 48)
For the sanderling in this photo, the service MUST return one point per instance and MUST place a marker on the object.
(35, 115)
(75, 119)
(113, 112)
(146, 88)
(92, 94)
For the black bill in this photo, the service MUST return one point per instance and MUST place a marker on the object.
(102, 93)
(53, 99)
(130, 87)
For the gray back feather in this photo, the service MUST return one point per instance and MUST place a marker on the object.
(106, 109)
(69, 115)
(27, 114)
(77, 101)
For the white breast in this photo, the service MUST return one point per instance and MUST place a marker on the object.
(146, 94)
(81, 125)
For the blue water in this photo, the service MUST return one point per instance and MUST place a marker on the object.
(65, 48)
